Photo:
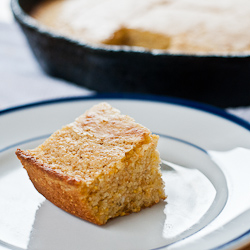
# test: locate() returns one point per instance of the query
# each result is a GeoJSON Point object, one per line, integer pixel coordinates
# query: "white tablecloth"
{"type": "Point", "coordinates": [21, 79]}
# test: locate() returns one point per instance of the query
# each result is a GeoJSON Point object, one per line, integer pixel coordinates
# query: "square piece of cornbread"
{"type": "Point", "coordinates": [101, 166]}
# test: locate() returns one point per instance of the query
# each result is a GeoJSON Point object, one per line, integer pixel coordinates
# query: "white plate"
{"type": "Point", "coordinates": [208, 204]}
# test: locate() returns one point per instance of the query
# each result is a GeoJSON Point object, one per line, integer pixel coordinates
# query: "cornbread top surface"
{"type": "Point", "coordinates": [92, 145]}
{"type": "Point", "coordinates": [193, 26]}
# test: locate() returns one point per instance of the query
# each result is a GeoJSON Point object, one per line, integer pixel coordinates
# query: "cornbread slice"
{"type": "Point", "coordinates": [101, 166]}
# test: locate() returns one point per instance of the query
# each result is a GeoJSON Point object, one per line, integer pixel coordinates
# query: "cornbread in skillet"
{"type": "Point", "coordinates": [101, 166]}
{"type": "Point", "coordinates": [177, 26]}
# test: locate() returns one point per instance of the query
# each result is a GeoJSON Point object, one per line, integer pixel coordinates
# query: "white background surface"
{"type": "Point", "coordinates": [5, 13]}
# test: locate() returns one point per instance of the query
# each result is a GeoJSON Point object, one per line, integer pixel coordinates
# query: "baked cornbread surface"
{"type": "Point", "coordinates": [177, 26]}
{"type": "Point", "coordinates": [101, 166]}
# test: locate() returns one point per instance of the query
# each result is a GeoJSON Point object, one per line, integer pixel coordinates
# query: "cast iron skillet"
{"type": "Point", "coordinates": [223, 81]}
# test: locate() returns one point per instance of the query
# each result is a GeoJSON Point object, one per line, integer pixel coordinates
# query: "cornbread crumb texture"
{"type": "Point", "coordinates": [178, 26]}
{"type": "Point", "coordinates": [101, 166]}
{"type": "Point", "coordinates": [95, 141]}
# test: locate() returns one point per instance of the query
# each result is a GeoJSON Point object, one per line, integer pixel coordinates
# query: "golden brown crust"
{"type": "Point", "coordinates": [105, 122]}
{"type": "Point", "coordinates": [26, 158]}
{"type": "Point", "coordinates": [97, 140]}
{"type": "Point", "coordinates": [59, 189]}
{"type": "Point", "coordinates": [137, 37]}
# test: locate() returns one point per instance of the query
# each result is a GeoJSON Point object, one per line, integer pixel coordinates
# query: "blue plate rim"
{"type": "Point", "coordinates": [140, 97]}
